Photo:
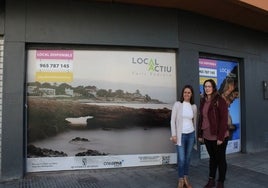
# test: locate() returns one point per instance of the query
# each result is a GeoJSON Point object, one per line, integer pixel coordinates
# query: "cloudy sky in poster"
{"type": "Point", "coordinates": [152, 73]}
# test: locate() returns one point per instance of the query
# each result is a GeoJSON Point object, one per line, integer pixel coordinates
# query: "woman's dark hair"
{"type": "Point", "coordinates": [214, 86]}
{"type": "Point", "coordinates": [192, 90]}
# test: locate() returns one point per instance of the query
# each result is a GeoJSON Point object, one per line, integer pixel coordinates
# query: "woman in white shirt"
{"type": "Point", "coordinates": [183, 123]}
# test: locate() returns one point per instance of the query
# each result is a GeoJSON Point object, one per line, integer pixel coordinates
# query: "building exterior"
{"type": "Point", "coordinates": [188, 32]}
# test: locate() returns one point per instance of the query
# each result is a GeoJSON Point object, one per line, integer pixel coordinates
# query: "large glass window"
{"type": "Point", "coordinates": [99, 108]}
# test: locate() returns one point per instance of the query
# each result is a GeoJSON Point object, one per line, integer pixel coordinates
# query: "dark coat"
{"type": "Point", "coordinates": [218, 117]}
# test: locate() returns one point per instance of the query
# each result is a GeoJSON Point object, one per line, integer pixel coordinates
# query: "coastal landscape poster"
{"type": "Point", "coordinates": [99, 108]}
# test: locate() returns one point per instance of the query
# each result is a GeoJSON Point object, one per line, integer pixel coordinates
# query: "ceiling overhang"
{"type": "Point", "coordinates": [248, 13]}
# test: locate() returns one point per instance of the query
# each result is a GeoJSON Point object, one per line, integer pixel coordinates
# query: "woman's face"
{"type": "Point", "coordinates": [208, 88]}
{"type": "Point", "coordinates": [187, 94]}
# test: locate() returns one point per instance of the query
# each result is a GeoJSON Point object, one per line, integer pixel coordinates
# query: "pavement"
{"type": "Point", "coordinates": [244, 170]}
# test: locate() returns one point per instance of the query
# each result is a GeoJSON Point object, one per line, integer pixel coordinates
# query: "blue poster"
{"type": "Point", "coordinates": [225, 74]}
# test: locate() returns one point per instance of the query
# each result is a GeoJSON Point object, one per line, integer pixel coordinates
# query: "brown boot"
{"type": "Point", "coordinates": [220, 184]}
{"type": "Point", "coordinates": [211, 183]}
{"type": "Point", "coordinates": [186, 182]}
{"type": "Point", "coordinates": [181, 183]}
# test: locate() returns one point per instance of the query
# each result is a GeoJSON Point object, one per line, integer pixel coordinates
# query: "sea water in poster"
{"type": "Point", "coordinates": [92, 109]}
{"type": "Point", "coordinates": [225, 74]}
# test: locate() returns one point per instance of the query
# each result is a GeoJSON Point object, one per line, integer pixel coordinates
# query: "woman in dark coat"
{"type": "Point", "coordinates": [213, 132]}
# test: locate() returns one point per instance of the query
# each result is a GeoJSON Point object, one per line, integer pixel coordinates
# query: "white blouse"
{"type": "Point", "coordinates": [187, 115]}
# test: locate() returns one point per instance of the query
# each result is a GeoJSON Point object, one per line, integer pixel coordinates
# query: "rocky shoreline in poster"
{"type": "Point", "coordinates": [47, 118]}
{"type": "Point", "coordinates": [93, 101]}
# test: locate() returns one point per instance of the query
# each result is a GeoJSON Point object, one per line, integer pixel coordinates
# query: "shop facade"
{"type": "Point", "coordinates": [60, 55]}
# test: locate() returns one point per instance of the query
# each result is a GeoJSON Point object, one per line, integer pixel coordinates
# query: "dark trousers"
{"type": "Point", "coordinates": [217, 158]}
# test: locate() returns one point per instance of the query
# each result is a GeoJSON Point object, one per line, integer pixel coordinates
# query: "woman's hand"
{"type": "Point", "coordinates": [219, 142]}
{"type": "Point", "coordinates": [174, 139]}
{"type": "Point", "coordinates": [201, 140]}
